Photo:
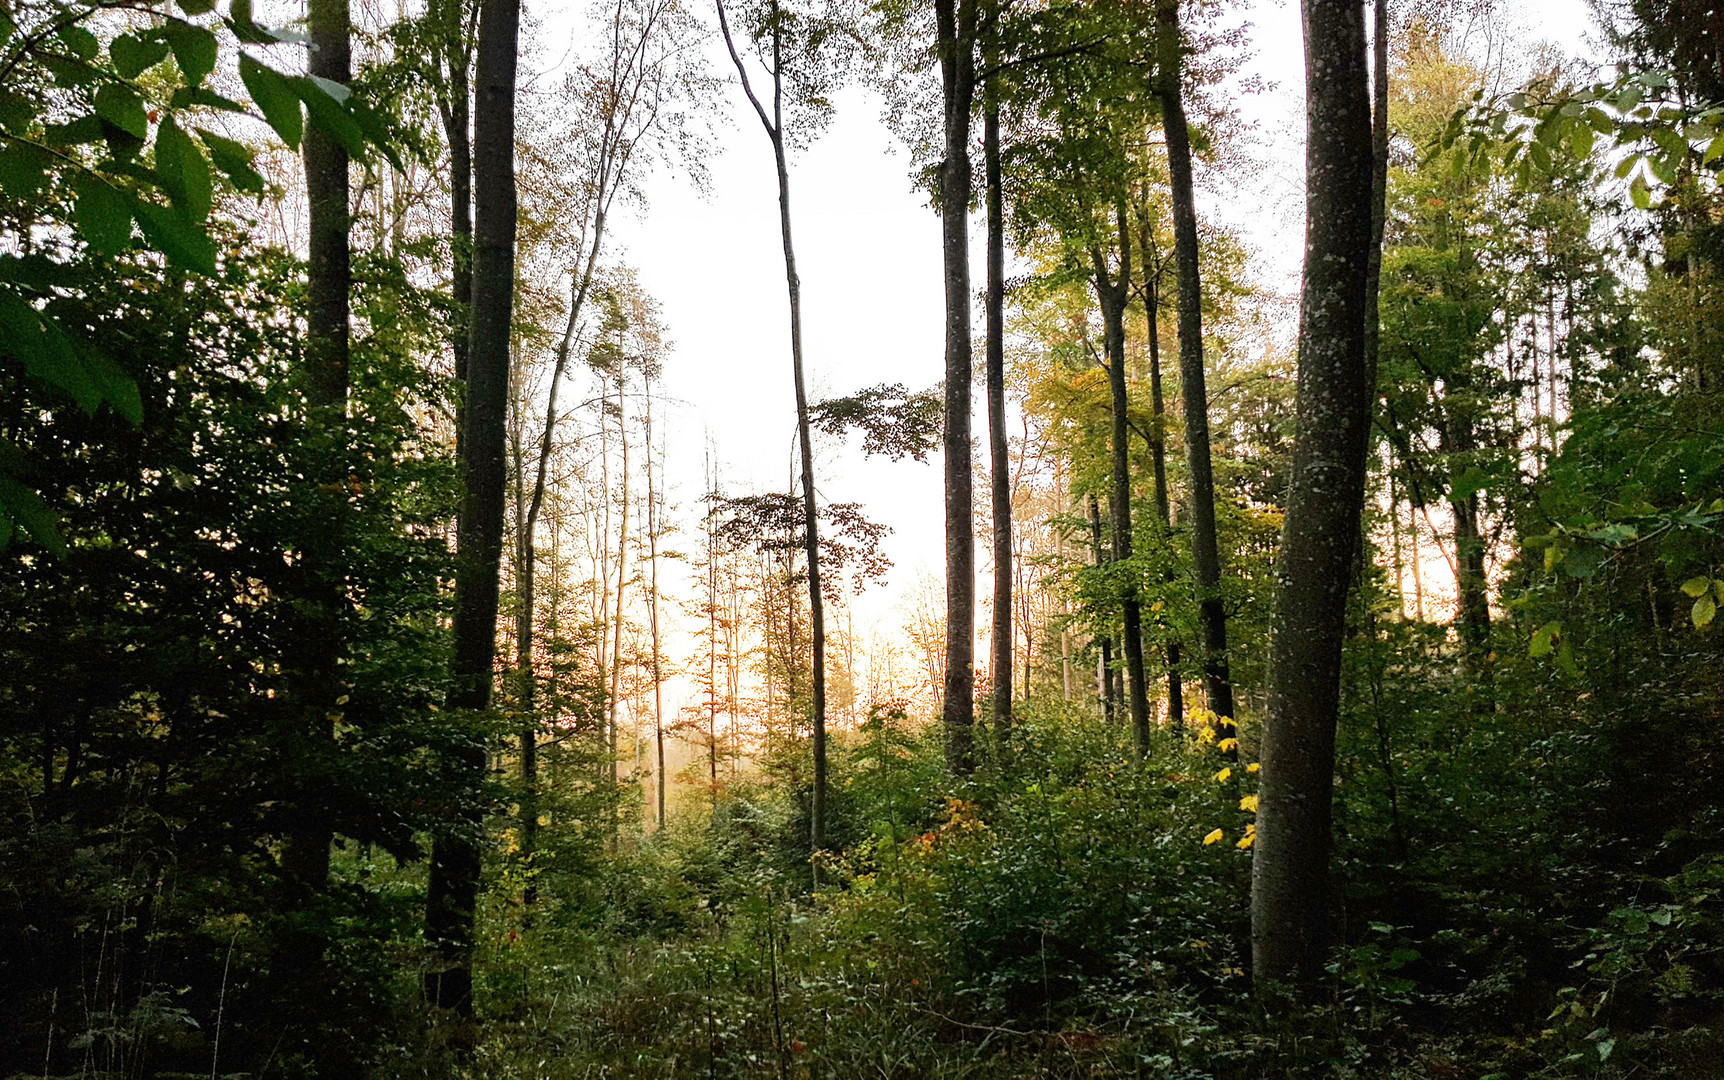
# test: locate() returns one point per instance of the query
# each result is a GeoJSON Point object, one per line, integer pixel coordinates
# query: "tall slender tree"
{"type": "Point", "coordinates": [800, 48]}
{"type": "Point", "coordinates": [452, 897]}
{"type": "Point", "coordinates": [955, 24]}
{"type": "Point", "coordinates": [999, 458]}
{"type": "Point", "coordinates": [1205, 554]}
{"type": "Point", "coordinates": [1113, 291]}
{"type": "Point", "coordinates": [1290, 864]}
{"type": "Point", "coordinates": [328, 282]}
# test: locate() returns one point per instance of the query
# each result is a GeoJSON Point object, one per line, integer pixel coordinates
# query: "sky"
{"type": "Point", "coordinates": [868, 249]}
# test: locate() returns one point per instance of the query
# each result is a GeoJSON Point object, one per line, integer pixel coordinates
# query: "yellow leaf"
{"type": "Point", "coordinates": [1227, 744]}
{"type": "Point", "coordinates": [1212, 838]}
{"type": "Point", "coordinates": [1205, 734]}
{"type": "Point", "coordinates": [1253, 767]}
{"type": "Point", "coordinates": [1248, 804]}
{"type": "Point", "coordinates": [1245, 842]}
{"type": "Point", "coordinates": [1696, 586]}
{"type": "Point", "coordinates": [1221, 777]}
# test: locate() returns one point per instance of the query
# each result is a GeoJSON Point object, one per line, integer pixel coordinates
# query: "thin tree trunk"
{"type": "Point", "coordinates": [1158, 444]}
{"type": "Point", "coordinates": [1205, 553]}
{"type": "Point", "coordinates": [622, 585]}
{"type": "Point", "coordinates": [652, 608]}
{"type": "Point", "coordinates": [774, 125]}
{"type": "Point", "coordinates": [955, 22]}
{"type": "Point", "coordinates": [454, 884]}
{"type": "Point", "coordinates": [1104, 672]}
{"type": "Point", "coordinates": [1000, 661]}
{"type": "Point", "coordinates": [1112, 296]}
{"type": "Point", "coordinates": [1290, 867]}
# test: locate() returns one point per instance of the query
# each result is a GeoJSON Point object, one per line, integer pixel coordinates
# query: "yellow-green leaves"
{"type": "Point", "coordinates": [1707, 593]}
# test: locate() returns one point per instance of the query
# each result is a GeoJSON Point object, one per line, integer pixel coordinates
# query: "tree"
{"type": "Point", "coordinates": [802, 50]}
{"type": "Point", "coordinates": [1289, 870]}
{"type": "Point", "coordinates": [454, 887]}
{"type": "Point", "coordinates": [956, 24]}
{"type": "Point", "coordinates": [1205, 556]}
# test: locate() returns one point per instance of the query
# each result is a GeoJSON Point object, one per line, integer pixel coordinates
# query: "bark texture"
{"type": "Point", "coordinates": [454, 884]}
{"type": "Point", "coordinates": [1290, 865]}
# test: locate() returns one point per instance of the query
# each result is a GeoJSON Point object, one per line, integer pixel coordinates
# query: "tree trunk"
{"type": "Point", "coordinates": [652, 610]}
{"type": "Point", "coordinates": [1205, 555]}
{"type": "Point", "coordinates": [1104, 673]}
{"type": "Point", "coordinates": [1289, 872]}
{"type": "Point", "coordinates": [1158, 444]}
{"type": "Point", "coordinates": [454, 884]}
{"type": "Point", "coordinates": [956, 26]}
{"type": "Point", "coordinates": [1112, 296]}
{"type": "Point", "coordinates": [1000, 660]}
{"type": "Point", "coordinates": [305, 854]}
{"type": "Point", "coordinates": [622, 586]}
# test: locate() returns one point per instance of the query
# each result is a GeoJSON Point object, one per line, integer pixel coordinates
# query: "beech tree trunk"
{"type": "Point", "coordinates": [1290, 865]}
{"type": "Point", "coordinates": [454, 884]}
{"type": "Point", "coordinates": [999, 460]}
{"type": "Point", "coordinates": [1205, 555]}
{"type": "Point", "coordinates": [955, 21]}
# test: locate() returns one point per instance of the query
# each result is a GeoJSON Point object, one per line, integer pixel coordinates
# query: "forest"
{"type": "Point", "coordinates": [1322, 679]}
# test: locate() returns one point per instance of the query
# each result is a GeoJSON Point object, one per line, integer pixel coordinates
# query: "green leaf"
{"type": "Point", "coordinates": [194, 50]}
{"type": "Point", "coordinates": [23, 508]}
{"type": "Point", "coordinates": [1705, 610]}
{"type": "Point", "coordinates": [44, 350]}
{"type": "Point", "coordinates": [133, 55]}
{"type": "Point", "coordinates": [181, 241]}
{"type": "Point", "coordinates": [233, 158]}
{"type": "Point", "coordinates": [197, 7]}
{"type": "Point", "coordinates": [328, 114]}
{"type": "Point", "coordinates": [184, 172]}
{"type": "Point", "coordinates": [1580, 136]}
{"type": "Point", "coordinates": [1605, 1046]}
{"type": "Point", "coordinates": [121, 106]}
{"type": "Point", "coordinates": [1565, 658]}
{"type": "Point", "coordinates": [1640, 194]}
{"type": "Point", "coordinates": [1626, 166]}
{"type": "Point", "coordinates": [1543, 637]}
{"type": "Point", "coordinates": [118, 388]}
{"type": "Point", "coordinates": [103, 215]}
{"type": "Point", "coordinates": [1713, 149]}
{"type": "Point", "coordinates": [80, 42]}
{"type": "Point", "coordinates": [23, 169]}
{"type": "Point", "coordinates": [1696, 586]}
{"type": "Point", "coordinates": [276, 97]}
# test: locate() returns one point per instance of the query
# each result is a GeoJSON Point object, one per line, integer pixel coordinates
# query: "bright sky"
{"type": "Point", "coordinates": [869, 256]}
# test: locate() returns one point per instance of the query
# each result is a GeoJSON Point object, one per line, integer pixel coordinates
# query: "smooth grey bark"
{"type": "Point", "coordinates": [999, 460]}
{"type": "Point", "coordinates": [774, 125]}
{"type": "Point", "coordinates": [1205, 553]}
{"type": "Point", "coordinates": [1290, 863]}
{"type": "Point", "coordinates": [622, 587]}
{"type": "Point", "coordinates": [955, 23]}
{"type": "Point", "coordinates": [453, 891]}
{"type": "Point", "coordinates": [1111, 295]}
